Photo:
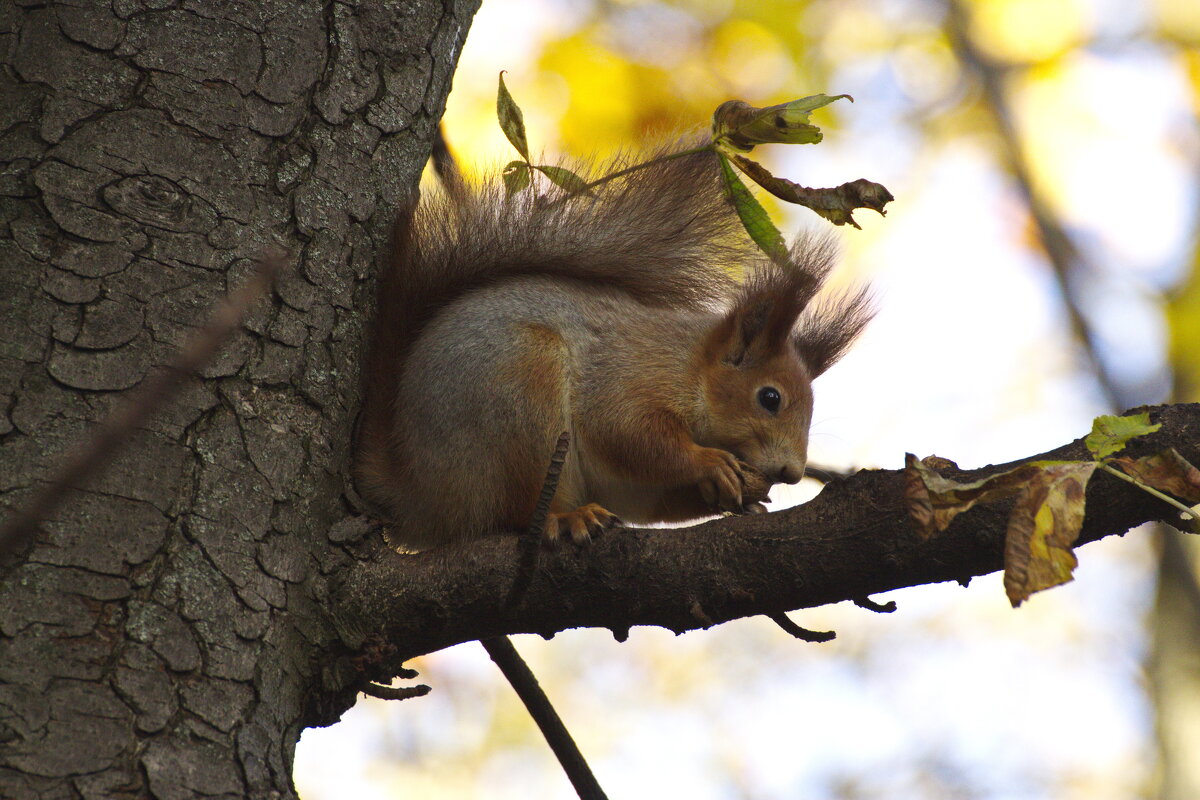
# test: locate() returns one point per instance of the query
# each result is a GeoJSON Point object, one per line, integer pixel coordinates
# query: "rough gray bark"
{"type": "Point", "coordinates": [163, 637]}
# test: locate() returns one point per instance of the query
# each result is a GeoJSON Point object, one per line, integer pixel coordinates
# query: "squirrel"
{"type": "Point", "coordinates": [616, 315]}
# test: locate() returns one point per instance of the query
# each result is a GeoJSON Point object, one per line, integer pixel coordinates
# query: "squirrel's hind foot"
{"type": "Point", "coordinates": [581, 524]}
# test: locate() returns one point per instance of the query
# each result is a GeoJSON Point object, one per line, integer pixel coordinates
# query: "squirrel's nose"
{"type": "Point", "coordinates": [788, 474]}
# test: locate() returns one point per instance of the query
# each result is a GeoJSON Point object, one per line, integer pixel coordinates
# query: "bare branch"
{"type": "Point", "coordinates": [551, 725]}
{"type": "Point", "coordinates": [879, 608]}
{"type": "Point", "coordinates": [852, 541]}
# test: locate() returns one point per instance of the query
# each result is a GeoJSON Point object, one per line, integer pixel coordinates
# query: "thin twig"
{"type": "Point", "coordinates": [445, 165]}
{"type": "Point", "coordinates": [825, 474]}
{"type": "Point", "coordinates": [803, 634]}
{"type": "Point", "coordinates": [153, 392]}
{"type": "Point", "coordinates": [501, 650]}
{"type": "Point", "coordinates": [532, 541]}
{"type": "Point", "coordinates": [526, 685]}
{"type": "Point", "coordinates": [623, 172]}
{"type": "Point", "coordinates": [1190, 512]}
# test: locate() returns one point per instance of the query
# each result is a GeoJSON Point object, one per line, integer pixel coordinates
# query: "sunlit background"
{"type": "Point", "coordinates": [1038, 267]}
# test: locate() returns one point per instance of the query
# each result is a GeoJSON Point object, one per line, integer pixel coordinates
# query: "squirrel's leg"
{"type": "Point", "coordinates": [544, 361]}
{"type": "Point", "coordinates": [484, 400]}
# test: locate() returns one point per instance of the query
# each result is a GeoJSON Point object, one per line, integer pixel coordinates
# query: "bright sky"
{"type": "Point", "coordinates": [970, 358]}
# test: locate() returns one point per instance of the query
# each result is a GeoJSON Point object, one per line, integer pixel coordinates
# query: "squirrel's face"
{"type": "Point", "coordinates": [761, 413]}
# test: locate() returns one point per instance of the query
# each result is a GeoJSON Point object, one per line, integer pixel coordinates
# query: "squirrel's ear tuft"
{"type": "Point", "coordinates": [770, 302]}
{"type": "Point", "coordinates": [828, 327]}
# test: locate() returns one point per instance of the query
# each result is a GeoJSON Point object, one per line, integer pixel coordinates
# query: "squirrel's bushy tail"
{"type": "Point", "coordinates": [665, 233]}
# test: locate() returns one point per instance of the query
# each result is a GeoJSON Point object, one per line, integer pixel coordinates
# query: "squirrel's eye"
{"type": "Point", "coordinates": [769, 398]}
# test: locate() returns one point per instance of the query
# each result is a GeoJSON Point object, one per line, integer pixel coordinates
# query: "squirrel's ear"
{"type": "Point", "coordinates": [763, 316]}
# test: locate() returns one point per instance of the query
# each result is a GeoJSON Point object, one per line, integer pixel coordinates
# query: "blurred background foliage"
{"type": "Point", "coordinates": [1039, 266]}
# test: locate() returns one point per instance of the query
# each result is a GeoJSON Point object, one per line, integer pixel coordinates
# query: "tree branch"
{"type": "Point", "coordinates": [853, 540]}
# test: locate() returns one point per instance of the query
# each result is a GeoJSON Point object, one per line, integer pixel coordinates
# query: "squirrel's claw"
{"type": "Point", "coordinates": [581, 524]}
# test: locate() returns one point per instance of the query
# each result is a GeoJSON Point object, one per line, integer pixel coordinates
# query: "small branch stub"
{"type": "Point", "coordinates": [804, 634]}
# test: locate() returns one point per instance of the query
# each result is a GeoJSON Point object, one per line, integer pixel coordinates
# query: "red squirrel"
{"type": "Point", "coordinates": [638, 317]}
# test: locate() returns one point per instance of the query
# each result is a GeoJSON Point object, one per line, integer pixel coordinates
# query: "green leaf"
{"type": "Point", "coordinates": [563, 178]}
{"type": "Point", "coordinates": [512, 121]}
{"type": "Point", "coordinates": [1110, 434]}
{"type": "Point", "coordinates": [516, 177]}
{"type": "Point", "coordinates": [754, 217]}
{"type": "Point", "coordinates": [741, 126]}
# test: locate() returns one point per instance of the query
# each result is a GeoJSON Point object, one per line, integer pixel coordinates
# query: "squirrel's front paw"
{"type": "Point", "coordinates": [722, 479]}
{"type": "Point", "coordinates": [581, 524]}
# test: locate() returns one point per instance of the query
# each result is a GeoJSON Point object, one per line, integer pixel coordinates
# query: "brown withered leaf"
{"type": "Point", "coordinates": [741, 126]}
{"type": "Point", "coordinates": [1168, 472]}
{"type": "Point", "coordinates": [1043, 527]}
{"type": "Point", "coordinates": [934, 501]}
{"type": "Point", "coordinates": [836, 205]}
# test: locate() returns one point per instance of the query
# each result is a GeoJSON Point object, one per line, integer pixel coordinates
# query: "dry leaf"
{"type": "Point", "coordinates": [1043, 527]}
{"type": "Point", "coordinates": [1166, 471]}
{"type": "Point", "coordinates": [934, 501]}
{"type": "Point", "coordinates": [836, 205]}
{"type": "Point", "coordinates": [741, 126]}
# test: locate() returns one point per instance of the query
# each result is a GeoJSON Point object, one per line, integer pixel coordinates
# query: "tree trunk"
{"type": "Point", "coordinates": [163, 635]}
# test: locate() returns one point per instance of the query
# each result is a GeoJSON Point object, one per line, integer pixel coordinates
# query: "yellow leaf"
{"type": "Point", "coordinates": [1043, 527]}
